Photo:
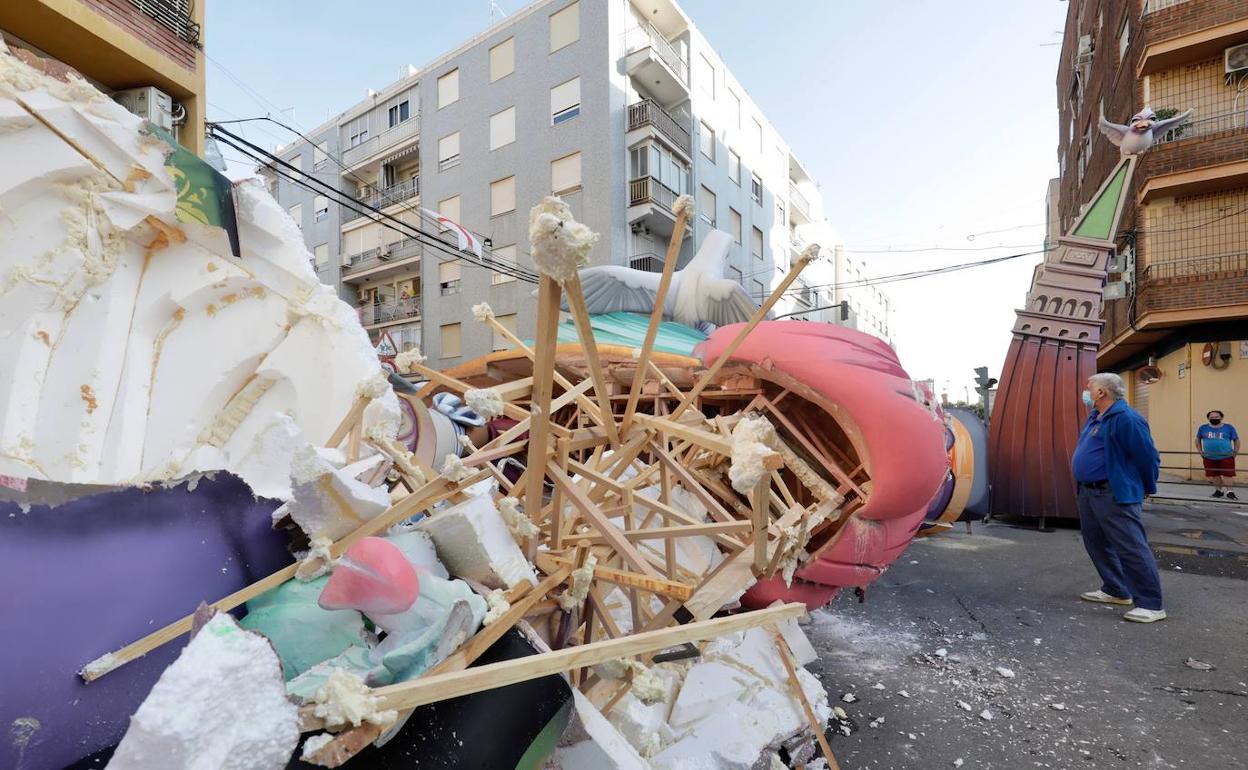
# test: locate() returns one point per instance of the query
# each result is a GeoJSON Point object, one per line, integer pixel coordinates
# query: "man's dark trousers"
{"type": "Point", "coordinates": [1113, 534]}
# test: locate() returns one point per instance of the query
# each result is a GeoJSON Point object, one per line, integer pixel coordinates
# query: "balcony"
{"type": "Point", "coordinates": [647, 189]}
{"type": "Point", "coordinates": [389, 312]}
{"type": "Point", "coordinates": [649, 262]}
{"type": "Point", "coordinates": [1229, 121]}
{"type": "Point", "coordinates": [1153, 6]}
{"type": "Point", "coordinates": [656, 63]}
{"type": "Point", "coordinates": [356, 155]}
{"type": "Point", "coordinates": [799, 203]}
{"type": "Point", "coordinates": [174, 15]}
{"type": "Point", "coordinates": [376, 262]}
{"type": "Point", "coordinates": [650, 113]}
{"type": "Point", "coordinates": [386, 197]}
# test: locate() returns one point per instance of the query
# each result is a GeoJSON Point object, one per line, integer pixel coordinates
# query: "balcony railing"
{"type": "Point", "coordinates": [650, 262]}
{"type": "Point", "coordinates": [386, 139]}
{"type": "Point", "coordinates": [799, 201]}
{"type": "Point", "coordinates": [647, 189]}
{"type": "Point", "coordinates": [386, 197]}
{"type": "Point", "coordinates": [1211, 125]}
{"type": "Point", "coordinates": [174, 15]}
{"type": "Point", "coordinates": [382, 255]}
{"type": "Point", "coordinates": [1153, 6]}
{"type": "Point", "coordinates": [1204, 268]}
{"type": "Point", "coordinates": [385, 312]}
{"type": "Point", "coordinates": [649, 113]}
{"type": "Point", "coordinates": [645, 36]}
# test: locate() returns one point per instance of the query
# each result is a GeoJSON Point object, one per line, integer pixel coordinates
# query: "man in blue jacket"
{"type": "Point", "coordinates": [1116, 466]}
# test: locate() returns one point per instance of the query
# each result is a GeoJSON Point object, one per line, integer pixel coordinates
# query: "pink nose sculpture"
{"type": "Point", "coordinates": [373, 577]}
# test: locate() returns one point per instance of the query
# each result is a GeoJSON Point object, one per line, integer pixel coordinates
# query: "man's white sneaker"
{"type": "Point", "coordinates": [1141, 615]}
{"type": "Point", "coordinates": [1103, 598]}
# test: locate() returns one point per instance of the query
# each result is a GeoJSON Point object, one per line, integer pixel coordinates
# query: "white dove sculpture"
{"type": "Point", "coordinates": [1136, 137]}
{"type": "Point", "coordinates": [698, 292]}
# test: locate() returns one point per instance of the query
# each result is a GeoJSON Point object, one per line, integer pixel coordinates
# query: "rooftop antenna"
{"type": "Point", "coordinates": [495, 9]}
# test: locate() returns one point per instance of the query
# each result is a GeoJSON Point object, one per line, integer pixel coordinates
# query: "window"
{"type": "Point", "coordinates": [758, 133]}
{"type": "Point", "coordinates": [780, 212]}
{"type": "Point", "coordinates": [449, 208]}
{"type": "Point", "coordinates": [450, 340]}
{"type": "Point", "coordinates": [502, 128]}
{"type": "Point", "coordinates": [503, 254]}
{"type": "Point", "coordinates": [357, 131]}
{"type": "Point", "coordinates": [320, 204]}
{"type": "Point", "coordinates": [565, 27]}
{"type": "Point", "coordinates": [1124, 37]}
{"type": "Point", "coordinates": [448, 151]}
{"type": "Point", "coordinates": [565, 173]}
{"type": "Point", "coordinates": [659, 163]}
{"type": "Point", "coordinates": [503, 59]}
{"type": "Point", "coordinates": [296, 213]}
{"type": "Point", "coordinates": [398, 113]}
{"type": "Point", "coordinates": [448, 88]}
{"type": "Point", "coordinates": [320, 154]}
{"type": "Point", "coordinates": [735, 274]}
{"type": "Point", "coordinates": [321, 253]}
{"type": "Point", "coordinates": [502, 196]}
{"type": "Point", "coordinates": [565, 101]}
{"type": "Point", "coordinates": [734, 224]}
{"type": "Point", "coordinates": [756, 242]}
{"type": "Point", "coordinates": [757, 293]}
{"type": "Point", "coordinates": [705, 75]}
{"type": "Point", "coordinates": [734, 107]}
{"type": "Point", "coordinates": [296, 160]}
{"type": "Point", "coordinates": [706, 141]}
{"type": "Point", "coordinates": [449, 274]}
{"type": "Point", "coordinates": [734, 167]}
{"type": "Point", "coordinates": [706, 205]}
{"type": "Point", "coordinates": [756, 189]}
{"type": "Point", "coordinates": [508, 322]}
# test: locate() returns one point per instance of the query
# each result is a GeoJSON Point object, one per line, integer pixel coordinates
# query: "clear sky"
{"type": "Point", "coordinates": [926, 124]}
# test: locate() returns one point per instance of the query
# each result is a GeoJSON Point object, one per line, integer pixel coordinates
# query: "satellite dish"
{"type": "Point", "coordinates": [1147, 375]}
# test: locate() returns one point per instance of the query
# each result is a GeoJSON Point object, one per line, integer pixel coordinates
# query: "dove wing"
{"type": "Point", "coordinates": [1113, 131]}
{"type": "Point", "coordinates": [612, 288]}
{"type": "Point", "coordinates": [1160, 127]}
{"type": "Point", "coordinates": [725, 302]}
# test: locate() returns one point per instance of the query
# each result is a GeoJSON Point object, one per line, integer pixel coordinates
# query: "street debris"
{"type": "Point", "coordinates": [1199, 665]}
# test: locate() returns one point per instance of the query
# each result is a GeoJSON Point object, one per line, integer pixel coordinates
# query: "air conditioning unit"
{"type": "Point", "coordinates": [150, 103]}
{"type": "Point", "coordinates": [1236, 59]}
{"type": "Point", "coordinates": [1116, 264]}
{"type": "Point", "coordinates": [384, 255]}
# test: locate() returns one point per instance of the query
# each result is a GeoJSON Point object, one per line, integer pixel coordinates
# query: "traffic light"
{"type": "Point", "coordinates": [982, 379]}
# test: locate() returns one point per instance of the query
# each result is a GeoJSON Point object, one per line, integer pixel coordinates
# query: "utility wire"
{"type": "Point", "coordinates": [403, 228]}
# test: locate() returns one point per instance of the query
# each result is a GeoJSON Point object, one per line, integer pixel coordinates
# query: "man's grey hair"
{"type": "Point", "coordinates": [1111, 382]}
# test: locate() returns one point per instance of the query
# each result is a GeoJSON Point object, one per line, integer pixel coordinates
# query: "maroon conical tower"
{"type": "Point", "coordinates": [1038, 412]}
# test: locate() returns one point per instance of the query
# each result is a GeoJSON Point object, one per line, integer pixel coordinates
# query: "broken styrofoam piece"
{"type": "Point", "coordinates": [138, 348]}
{"type": "Point", "coordinates": [473, 542]}
{"type": "Point", "coordinates": [487, 402]}
{"type": "Point", "coordinates": [803, 651]}
{"type": "Point", "coordinates": [593, 743]}
{"type": "Point", "coordinates": [374, 577]}
{"type": "Point", "coordinates": [736, 704]}
{"type": "Point", "coordinates": [645, 725]}
{"type": "Point", "coordinates": [222, 703]}
{"type": "Point", "coordinates": [327, 501]}
{"type": "Point", "coordinates": [697, 554]}
{"type": "Point", "coordinates": [561, 245]}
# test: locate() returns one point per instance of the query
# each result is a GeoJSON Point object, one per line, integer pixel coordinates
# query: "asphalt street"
{"type": "Point", "coordinates": [974, 651]}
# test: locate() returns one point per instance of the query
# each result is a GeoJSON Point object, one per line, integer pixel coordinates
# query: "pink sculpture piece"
{"type": "Point", "coordinates": [373, 577]}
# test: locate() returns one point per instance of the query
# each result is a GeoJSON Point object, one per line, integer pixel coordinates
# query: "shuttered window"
{"type": "Point", "coordinates": [503, 59]}
{"type": "Point", "coordinates": [565, 173]}
{"type": "Point", "coordinates": [502, 128]}
{"type": "Point", "coordinates": [508, 322]}
{"type": "Point", "coordinates": [565, 27]}
{"type": "Point", "coordinates": [565, 101]}
{"type": "Point", "coordinates": [450, 340]}
{"type": "Point", "coordinates": [448, 151]}
{"type": "Point", "coordinates": [502, 196]}
{"type": "Point", "coordinates": [448, 88]}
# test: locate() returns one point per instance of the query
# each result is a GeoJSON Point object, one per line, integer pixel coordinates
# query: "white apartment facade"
{"type": "Point", "coordinates": [618, 106]}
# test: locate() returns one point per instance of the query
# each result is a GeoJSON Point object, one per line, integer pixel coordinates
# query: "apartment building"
{"type": "Point", "coordinates": [120, 45]}
{"type": "Point", "coordinates": [619, 107]}
{"type": "Point", "coordinates": [1178, 329]}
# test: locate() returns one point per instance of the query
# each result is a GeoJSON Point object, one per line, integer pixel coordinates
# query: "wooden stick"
{"type": "Point", "coordinates": [709, 375]}
{"type": "Point", "coordinates": [543, 382]}
{"type": "Point", "coordinates": [580, 316]}
{"type": "Point", "coordinates": [786, 656]}
{"type": "Point", "coordinates": [429, 689]}
{"type": "Point", "coordinates": [352, 417]}
{"type": "Point", "coordinates": [656, 315]}
{"type": "Point", "coordinates": [612, 533]}
{"type": "Point", "coordinates": [760, 519]}
{"type": "Point", "coordinates": [587, 406]}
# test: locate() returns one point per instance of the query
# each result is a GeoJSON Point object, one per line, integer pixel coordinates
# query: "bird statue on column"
{"type": "Point", "coordinates": [1141, 132]}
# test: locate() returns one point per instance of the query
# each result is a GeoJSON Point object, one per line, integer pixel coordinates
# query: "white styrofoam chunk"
{"type": "Point", "coordinates": [605, 748]}
{"type": "Point", "coordinates": [473, 542]}
{"type": "Point", "coordinates": [221, 704]}
{"type": "Point", "coordinates": [327, 501]}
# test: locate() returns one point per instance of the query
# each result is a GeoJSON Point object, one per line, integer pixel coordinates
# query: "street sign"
{"type": "Point", "coordinates": [1116, 290]}
{"type": "Point", "coordinates": [386, 347]}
